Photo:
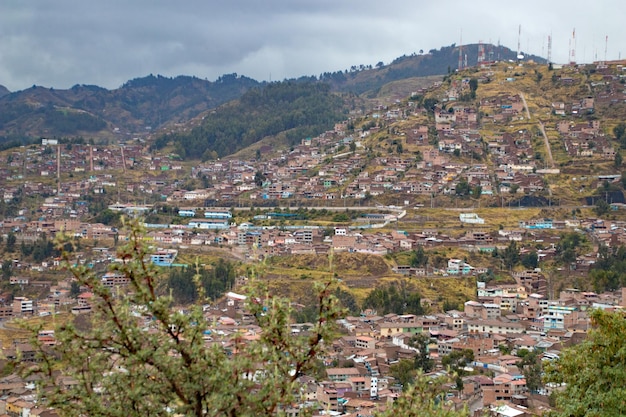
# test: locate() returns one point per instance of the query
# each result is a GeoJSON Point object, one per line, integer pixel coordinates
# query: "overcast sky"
{"type": "Point", "coordinates": [59, 43]}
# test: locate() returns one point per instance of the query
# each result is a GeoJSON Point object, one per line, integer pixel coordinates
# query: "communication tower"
{"type": "Point", "coordinates": [460, 66]}
{"type": "Point", "coordinates": [481, 53]}
{"type": "Point", "coordinates": [520, 56]}
{"type": "Point", "coordinates": [572, 56]}
{"type": "Point", "coordinates": [549, 49]}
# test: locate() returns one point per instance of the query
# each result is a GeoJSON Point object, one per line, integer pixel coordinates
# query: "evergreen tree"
{"type": "Point", "coordinates": [7, 269]}
{"type": "Point", "coordinates": [422, 360]}
{"type": "Point", "coordinates": [10, 244]}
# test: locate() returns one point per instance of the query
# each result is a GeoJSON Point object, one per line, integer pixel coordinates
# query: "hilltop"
{"type": "Point", "coordinates": [134, 109]}
{"type": "Point", "coordinates": [144, 105]}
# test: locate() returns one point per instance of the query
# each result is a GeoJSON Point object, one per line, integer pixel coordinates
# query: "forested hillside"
{"type": "Point", "coordinates": [299, 109]}
{"type": "Point", "coordinates": [140, 105]}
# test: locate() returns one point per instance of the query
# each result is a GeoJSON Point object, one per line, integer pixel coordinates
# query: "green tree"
{"type": "Point", "coordinates": [419, 257]}
{"type": "Point", "coordinates": [403, 372]}
{"type": "Point", "coordinates": [108, 217]}
{"type": "Point", "coordinates": [530, 366]}
{"type": "Point", "coordinates": [473, 85]}
{"type": "Point", "coordinates": [477, 192]}
{"type": "Point", "coordinates": [152, 360]}
{"type": "Point", "coordinates": [457, 360]}
{"type": "Point", "coordinates": [594, 371]}
{"type": "Point", "coordinates": [10, 244]}
{"type": "Point", "coordinates": [259, 178]}
{"type": "Point", "coordinates": [25, 249]}
{"type": "Point", "coordinates": [511, 255]}
{"type": "Point", "coordinates": [617, 162]}
{"type": "Point", "coordinates": [424, 398]}
{"type": "Point", "coordinates": [394, 298]}
{"type": "Point", "coordinates": [422, 359]}
{"type": "Point", "coordinates": [74, 289]}
{"type": "Point", "coordinates": [530, 260]}
{"type": "Point", "coordinates": [569, 246]}
{"type": "Point", "coordinates": [601, 207]}
{"type": "Point", "coordinates": [7, 269]}
{"type": "Point", "coordinates": [620, 134]}
{"type": "Point", "coordinates": [462, 188]}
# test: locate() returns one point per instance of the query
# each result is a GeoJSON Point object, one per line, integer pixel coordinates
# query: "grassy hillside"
{"type": "Point", "coordinates": [359, 274]}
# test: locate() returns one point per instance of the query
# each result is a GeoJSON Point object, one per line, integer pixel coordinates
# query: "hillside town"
{"type": "Point", "coordinates": [362, 188]}
{"type": "Point", "coordinates": [493, 334]}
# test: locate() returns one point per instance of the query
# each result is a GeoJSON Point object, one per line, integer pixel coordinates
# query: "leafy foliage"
{"type": "Point", "coordinates": [394, 298]}
{"type": "Point", "coordinates": [462, 189]}
{"type": "Point", "coordinates": [530, 366]}
{"type": "Point", "coordinates": [530, 260]}
{"type": "Point", "coordinates": [108, 217]}
{"type": "Point", "coordinates": [419, 257]}
{"type": "Point", "coordinates": [593, 371]}
{"type": "Point", "coordinates": [309, 313]}
{"type": "Point", "coordinates": [609, 271]}
{"type": "Point", "coordinates": [183, 282]}
{"type": "Point", "coordinates": [422, 360]}
{"type": "Point", "coordinates": [620, 134]}
{"type": "Point", "coordinates": [456, 361]}
{"type": "Point", "coordinates": [138, 357]}
{"type": "Point", "coordinates": [406, 372]}
{"type": "Point", "coordinates": [423, 398]}
{"type": "Point", "coordinates": [570, 245]}
{"type": "Point", "coordinates": [41, 249]}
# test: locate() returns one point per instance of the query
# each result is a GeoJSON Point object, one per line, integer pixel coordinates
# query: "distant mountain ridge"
{"type": "Point", "coordinates": [144, 104]}
{"type": "Point", "coordinates": [139, 105]}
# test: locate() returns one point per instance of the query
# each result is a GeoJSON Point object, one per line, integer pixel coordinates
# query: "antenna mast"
{"type": "Point", "coordinates": [481, 53]}
{"type": "Point", "coordinates": [572, 60]}
{"type": "Point", "coordinates": [549, 49]}
{"type": "Point", "coordinates": [460, 66]}
{"type": "Point", "coordinates": [519, 35]}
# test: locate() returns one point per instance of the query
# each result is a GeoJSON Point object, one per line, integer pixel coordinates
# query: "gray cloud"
{"type": "Point", "coordinates": [64, 42]}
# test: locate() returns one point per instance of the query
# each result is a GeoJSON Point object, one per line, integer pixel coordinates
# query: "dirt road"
{"type": "Point", "coordinates": [543, 132]}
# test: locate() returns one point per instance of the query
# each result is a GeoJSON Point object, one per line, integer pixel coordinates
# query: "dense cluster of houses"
{"type": "Point", "coordinates": [504, 323]}
{"type": "Point", "coordinates": [340, 164]}
{"type": "Point", "coordinates": [337, 164]}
